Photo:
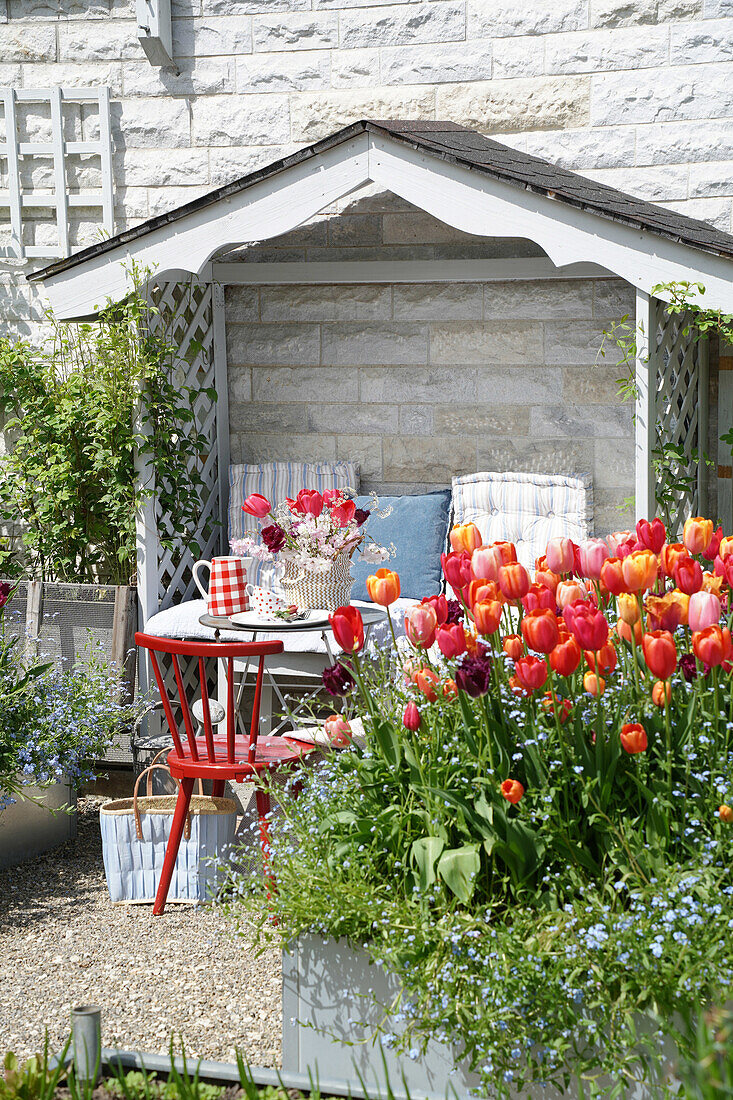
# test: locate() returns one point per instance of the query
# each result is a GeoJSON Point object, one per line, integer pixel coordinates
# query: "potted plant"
{"type": "Point", "coordinates": [534, 837]}
{"type": "Point", "coordinates": [54, 722]}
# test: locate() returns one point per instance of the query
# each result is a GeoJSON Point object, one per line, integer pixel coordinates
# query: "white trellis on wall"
{"type": "Point", "coordinates": [671, 409]}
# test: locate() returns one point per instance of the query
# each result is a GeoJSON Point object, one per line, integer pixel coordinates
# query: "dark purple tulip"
{"type": "Point", "coordinates": [273, 537]}
{"type": "Point", "coordinates": [361, 515]}
{"type": "Point", "coordinates": [455, 611]}
{"type": "Point", "coordinates": [474, 676]}
{"type": "Point", "coordinates": [337, 680]}
{"type": "Point", "coordinates": [688, 667]}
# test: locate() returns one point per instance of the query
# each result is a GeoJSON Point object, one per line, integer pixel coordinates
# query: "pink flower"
{"type": "Point", "coordinates": [593, 553]}
{"type": "Point", "coordinates": [560, 555]}
{"type": "Point", "coordinates": [587, 624]}
{"type": "Point", "coordinates": [420, 624]}
{"type": "Point", "coordinates": [256, 505]}
{"type": "Point", "coordinates": [451, 639]}
{"type": "Point", "coordinates": [411, 718]}
{"type": "Point", "coordinates": [343, 513]}
{"type": "Point", "coordinates": [703, 610]}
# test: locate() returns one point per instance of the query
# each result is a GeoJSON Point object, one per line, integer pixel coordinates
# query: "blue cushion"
{"type": "Point", "coordinates": [417, 526]}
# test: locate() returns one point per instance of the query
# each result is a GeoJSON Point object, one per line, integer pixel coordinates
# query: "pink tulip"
{"type": "Point", "coordinates": [614, 540]}
{"type": "Point", "coordinates": [451, 639]}
{"type": "Point", "coordinates": [570, 591]}
{"type": "Point", "coordinates": [256, 505]}
{"type": "Point", "coordinates": [703, 610]}
{"type": "Point", "coordinates": [343, 514]}
{"type": "Point", "coordinates": [560, 555]}
{"type": "Point", "coordinates": [593, 553]}
{"type": "Point", "coordinates": [485, 564]}
{"type": "Point", "coordinates": [420, 625]}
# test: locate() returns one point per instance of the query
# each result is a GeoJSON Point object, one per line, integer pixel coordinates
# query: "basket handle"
{"type": "Point", "coordinates": [149, 790]}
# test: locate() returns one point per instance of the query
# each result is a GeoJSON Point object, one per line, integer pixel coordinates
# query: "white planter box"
{"type": "Point", "coordinates": [28, 830]}
{"type": "Point", "coordinates": [326, 986]}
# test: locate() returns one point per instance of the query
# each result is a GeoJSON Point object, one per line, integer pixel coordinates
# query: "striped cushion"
{"type": "Point", "coordinates": [278, 480]}
{"type": "Point", "coordinates": [526, 509]}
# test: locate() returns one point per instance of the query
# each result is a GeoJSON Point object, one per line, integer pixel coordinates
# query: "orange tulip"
{"type": "Point", "coordinates": [466, 537]}
{"type": "Point", "coordinates": [427, 681]}
{"type": "Point", "coordinates": [628, 608]}
{"type": "Point", "coordinates": [640, 570]}
{"type": "Point", "coordinates": [612, 576]}
{"type": "Point", "coordinates": [725, 813]}
{"type": "Point", "coordinates": [514, 581]}
{"type": "Point", "coordinates": [661, 689]}
{"type": "Point", "coordinates": [633, 738]}
{"type": "Point", "coordinates": [604, 659]}
{"type": "Point", "coordinates": [671, 554]}
{"type": "Point", "coordinates": [660, 653]}
{"type": "Point", "coordinates": [531, 672]}
{"type": "Point", "coordinates": [595, 685]}
{"type": "Point", "coordinates": [710, 646]}
{"type": "Point", "coordinates": [513, 646]}
{"type": "Point", "coordinates": [539, 630]}
{"type": "Point", "coordinates": [517, 687]}
{"type": "Point", "coordinates": [697, 533]}
{"type": "Point", "coordinates": [450, 689]}
{"type": "Point", "coordinates": [383, 587]}
{"type": "Point", "coordinates": [506, 552]}
{"type": "Point", "coordinates": [683, 602]}
{"type": "Point", "coordinates": [726, 546]}
{"type": "Point", "coordinates": [512, 790]}
{"type": "Point", "coordinates": [565, 657]}
{"type": "Point", "coordinates": [487, 616]}
{"type": "Point", "coordinates": [569, 591]}
{"type": "Point", "coordinates": [625, 631]}
{"type": "Point", "coordinates": [711, 583]}
{"type": "Point", "coordinates": [483, 590]}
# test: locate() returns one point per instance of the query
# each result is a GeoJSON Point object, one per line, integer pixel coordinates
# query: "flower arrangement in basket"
{"type": "Point", "coordinates": [314, 537]}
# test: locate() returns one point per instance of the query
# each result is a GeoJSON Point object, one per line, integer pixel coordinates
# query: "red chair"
{"type": "Point", "coordinates": [209, 755]}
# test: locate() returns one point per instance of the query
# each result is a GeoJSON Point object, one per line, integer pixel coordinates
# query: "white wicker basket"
{"type": "Point", "coordinates": [309, 589]}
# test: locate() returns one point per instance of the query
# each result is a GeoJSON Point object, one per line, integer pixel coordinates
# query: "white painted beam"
{"type": "Point", "coordinates": [646, 387]}
{"type": "Point", "coordinates": [400, 271]}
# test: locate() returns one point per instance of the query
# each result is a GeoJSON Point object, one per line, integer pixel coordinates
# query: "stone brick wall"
{"type": "Point", "coordinates": [418, 382]}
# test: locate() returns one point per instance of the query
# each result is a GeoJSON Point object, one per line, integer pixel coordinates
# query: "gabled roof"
{"type": "Point", "coordinates": [459, 145]}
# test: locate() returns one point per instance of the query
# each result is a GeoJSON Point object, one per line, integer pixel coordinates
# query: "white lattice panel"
{"type": "Point", "coordinates": [681, 410]}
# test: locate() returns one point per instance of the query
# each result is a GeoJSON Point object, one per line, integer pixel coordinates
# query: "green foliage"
{"type": "Point", "coordinates": [74, 414]}
{"type": "Point", "coordinates": [35, 1079]}
{"type": "Point", "coordinates": [708, 1074]}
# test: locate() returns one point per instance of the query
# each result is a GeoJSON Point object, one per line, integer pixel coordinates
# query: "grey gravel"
{"type": "Point", "coordinates": [186, 974]}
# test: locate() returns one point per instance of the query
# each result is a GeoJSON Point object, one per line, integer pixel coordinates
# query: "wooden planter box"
{"type": "Point", "coordinates": [28, 830]}
{"type": "Point", "coordinates": [328, 986]}
{"type": "Point", "coordinates": [57, 622]}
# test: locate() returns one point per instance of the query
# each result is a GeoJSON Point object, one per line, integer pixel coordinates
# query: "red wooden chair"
{"type": "Point", "coordinates": [209, 755]}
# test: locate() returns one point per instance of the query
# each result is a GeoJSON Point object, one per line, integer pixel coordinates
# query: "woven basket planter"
{"type": "Point", "coordinates": [311, 590]}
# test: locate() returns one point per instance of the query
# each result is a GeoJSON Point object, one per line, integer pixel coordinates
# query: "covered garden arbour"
{"type": "Point", "coordinates": [463, 179]}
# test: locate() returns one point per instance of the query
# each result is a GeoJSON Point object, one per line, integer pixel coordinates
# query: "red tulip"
{"type": "Point", "coordinates": [451, 639]}
{"type": "Point", "coordinates": [688, 575]}
{"type": "Point", "coordinates": [587, 624]}
{"type": "Point", "coordinates": [538, 596]}
{"type": "Point", "coordinates": [565, 657]}
{"type": "Point", "coordinates": [420, 625]}
{"type": "Point", "coordinates": [257, 505]}
{"type": "Point", "coordinates": [411, 718]}
{"type": "Point", "coordinates": [651, 536]}
{"type": "Point", "coordinates": [309, 502]}
{"type": "Point", "coordinates": [513, 581]}
{"type": "Point", "coordinates": [348, 628]}
{"type": "Point", "coordinates": [660, 653]}
{"type": "Point", "coordinates": [426, 682]}
{"type": "Point", "coordinates": [603, 660]}
{"type": "Point", "coordinates": [540, 630]}
{"type": "Point", "coordinates": [457, 570]}
{"type": "Point", "coordinates": [612, 576]}
{"type": "Point", "coordinates": [343, 513]}
{"type": "Point", "coordinates": [531, 672]}
{"type": "Point", "coordinates": [439, 605]}
{"type": "Point", "coordinates": [711, 550]}
{"type": "Point", "coordinates": [633, 737]}
{"type": "Point", "coordinates": [512, 790]}
{"type": "Point", "coordinates": [710, 645]}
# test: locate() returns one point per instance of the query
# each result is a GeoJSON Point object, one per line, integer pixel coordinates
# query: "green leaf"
{"type": "Point", "coordinates": [388, 741]}
{"type": "Point", "coordinates": [423, 854]}
{"type": "Point", "coordinates": [458, 868]}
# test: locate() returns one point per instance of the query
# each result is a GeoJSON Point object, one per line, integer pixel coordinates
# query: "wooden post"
{"type": "Point", "coordinates": [221, 382]}
{"type": "Point", "coordinates": [33, 612]}
{"type": "Point", "coordinates": [725, 423]}
{"type": "Point", "coordinates": [123, 635]}
{"type": "Point", "coordinates": [703, 410]}
{"type": "Point", "coordinates": [646, 385]}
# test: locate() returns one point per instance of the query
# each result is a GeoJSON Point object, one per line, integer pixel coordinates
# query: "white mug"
{"type": "Point", "coordinates": [264, 602]}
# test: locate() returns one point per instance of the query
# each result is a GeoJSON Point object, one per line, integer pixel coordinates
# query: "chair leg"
{"type": "Point", "coordinates": [174, 843]}
{"type": "Point", "coordinates": [263, 809]}
{"type": "Point", "coordinates": [217, 788]}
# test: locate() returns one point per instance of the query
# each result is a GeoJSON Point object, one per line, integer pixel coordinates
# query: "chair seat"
{"type": "Point", "coordinates": [271, 752]}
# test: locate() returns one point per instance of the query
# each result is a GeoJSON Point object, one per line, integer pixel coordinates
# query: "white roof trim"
{"type": "Point", "coordinates": [453, 193]}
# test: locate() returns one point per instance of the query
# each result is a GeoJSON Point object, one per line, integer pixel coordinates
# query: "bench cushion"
{"type": "Point", "coordinates": [417, 526]}
{"type": "Point", "coordinates": [278, 480]}
{"type": "Point", "coordinates": [526, 509]}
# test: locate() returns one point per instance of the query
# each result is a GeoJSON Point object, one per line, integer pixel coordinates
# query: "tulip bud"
{"type": "Point", "coordinates": [628, 608]}
{"type": "Point", "coordinates": [513, 646]}
{"type": "Point", "coordinates": [411, 718]}
{"type": "Point", "coordinates": [697, 534]}
{"type": "Point", "coordinates": [512, 790]}
{"type": "Point", "coordinates": [465, 537]}
{"type": "Point", "coordinates": [594, 684]}
{"type": "Point", "coordinates": [725, 813]}
{"type": "Point", "coordinates": [662, 690]}
{"type": "Point", "coordinates": [633, 738]}
{"type": "Point", "coordinates": [703, 610]}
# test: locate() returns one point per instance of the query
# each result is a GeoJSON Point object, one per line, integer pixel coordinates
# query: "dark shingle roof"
{"type": "Point", "coordinates": [455, 143]}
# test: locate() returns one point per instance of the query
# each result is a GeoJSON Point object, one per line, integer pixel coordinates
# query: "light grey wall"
{"type": "Point", "coordinates": [421, 382]}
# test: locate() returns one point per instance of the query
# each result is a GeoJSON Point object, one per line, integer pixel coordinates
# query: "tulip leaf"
{"type": "Point", "coordinates": [424, 853]}
{"type": "Point", "coordinates": [388, 741]}
{"type": "Point", "coordinates": [458, 868]}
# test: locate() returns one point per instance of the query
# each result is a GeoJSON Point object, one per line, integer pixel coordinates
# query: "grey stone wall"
{"type": "Point", "coordinates": [420, 382]}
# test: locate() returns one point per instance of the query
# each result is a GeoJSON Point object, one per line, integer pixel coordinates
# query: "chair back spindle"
{"type": "Point", "coordinates": [186, 710]}
{"type": "Point", "coordinates": [208, 731]}
{"type": "Point", "coordinates": [167, 709]}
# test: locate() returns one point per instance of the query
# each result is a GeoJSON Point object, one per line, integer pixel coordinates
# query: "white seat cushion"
{"type": "Point", "coordinates": [526, 509]}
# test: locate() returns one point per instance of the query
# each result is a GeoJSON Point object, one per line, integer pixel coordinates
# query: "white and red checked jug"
{"type": "Point", "coordinates": [227, 593]}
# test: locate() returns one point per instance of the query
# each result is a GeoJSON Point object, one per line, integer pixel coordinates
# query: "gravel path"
{"type": "Point", "coordinates": [63, 943]}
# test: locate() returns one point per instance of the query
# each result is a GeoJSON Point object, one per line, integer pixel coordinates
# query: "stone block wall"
{"type": "Point", "coordinates": [420, 382]}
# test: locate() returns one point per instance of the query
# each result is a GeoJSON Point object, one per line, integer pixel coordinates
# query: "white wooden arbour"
{"type": "Point", "coordinates": [274, 203]}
